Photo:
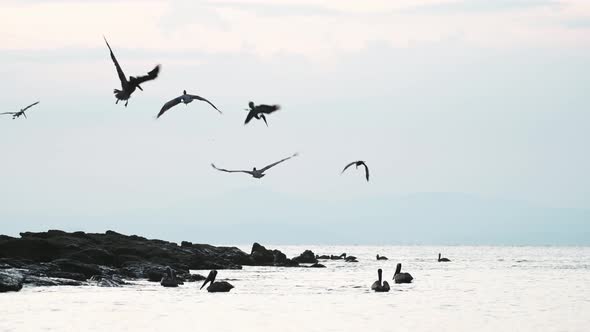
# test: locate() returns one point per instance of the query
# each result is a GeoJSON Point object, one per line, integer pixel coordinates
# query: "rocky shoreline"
{"type": "Point", "coordinates": [58, 258]}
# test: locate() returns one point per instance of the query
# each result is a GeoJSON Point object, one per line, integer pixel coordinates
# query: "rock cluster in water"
{"type": "Point", "coordinates": [57, 258]}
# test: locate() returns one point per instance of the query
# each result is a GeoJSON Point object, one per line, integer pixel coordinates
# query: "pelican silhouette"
{"type": "Point", "coordinates": [357, 164]}
{"type": "Point", "coordinates": [258, 112]}
{"type": "Point", "coordinates": [16, 115]}
{"type": "Point", "coordinates": [186, 99]}
{"type": "Point", "coordinates": [401, 277]}
{"type": "Point", "coordinates": [256, 173]}
{"type": "Point", "coordinates": [443, 259]}
{"type": "Point", "coordinates": [377, 286]}
{"type": "Point", "coordinates": [216, 286]}
{"type": "Point", "coordinates": [129, 86]}
{"type": "Point", "coordinates": [381, 258]}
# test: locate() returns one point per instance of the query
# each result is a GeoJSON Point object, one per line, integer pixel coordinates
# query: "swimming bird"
{"type": "Point", "coordinates": [357, 164]}
{"type": "Point", "coordinates": [443, 259]}
{"type": "Point", "coordinates": [381, 258]}
{"type": "Point", "coordinates": [401, 277]}
{"type": "Point", "coordinates": [341, 256]}
{"type": "Point", "coordinates": [21, 112]}
{"type": "Point", "coordinates": [377, 286]}
{"type": "Point", "coordinates": [129, 86]}
{"type": "Point", "coordinates": [169, 280]}
{"type": "Point", "coordinates": [258, 112]}
{"type": "Point", "coordinates": [350, 259]}
{"type": "Point", "coordinates": [216, 287]}
{"type": "Point", "coordinates": [186, 99]}
{"type": "Point", "coordinates": [256, 173]}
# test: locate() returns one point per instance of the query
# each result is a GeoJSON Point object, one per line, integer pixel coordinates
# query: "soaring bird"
{"type": "Point", "coordinates": [377, 286]}
{"type": "Point", "coordinates": [259, 111]}
{"type": "Point", "coordinates": [21, 112]}
{"type": "Point", "coordinates": [401, 277]}
{"type": "Point", "coordinates": [216, 286]}
{"type": "Point", "coordinates": [257, 173]}
{"type": "Point", "coordinates": [357, 164]}
{"type": "Point", "coordinates": [443, 259]}
{"type": "Point", "coordinates": [129, 86]}
{"type": "Point", "coordinates": [186, 99]}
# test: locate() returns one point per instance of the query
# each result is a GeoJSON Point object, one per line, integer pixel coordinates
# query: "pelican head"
{"type": "Point", "coordinates": [183, 92]}
{"type": "Point", "coordinates": [253, 169]}
{"type": "Point", "coordinates": [251, 105]}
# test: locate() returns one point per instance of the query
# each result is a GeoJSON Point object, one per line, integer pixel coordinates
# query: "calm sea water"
{"type": "Point", "coordinates": [482, 289]}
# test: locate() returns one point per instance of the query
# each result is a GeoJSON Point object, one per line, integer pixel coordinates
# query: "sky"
{"type": "Point", "coordinates": [479, 104]}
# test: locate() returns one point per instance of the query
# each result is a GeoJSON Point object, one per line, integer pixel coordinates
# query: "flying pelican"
{"type": "Point", "coordinates": [216, 287]}
{"type": "Point", "coordinates": [21, 112]}
{"type": "Point", "coordinates": [381, 258]}
{"type": "Point", "coordinates": [257, 173]}
{"type": "Point", "coordinates": [357, 164]}
{"type": "Point", "coordinates": [443, 259]}
{"type": "Point", "coordinates": [186, 99]}
{"type": "Point", "coordinates": [377, 286]}
{"type": "Point", "coordinates": [401, 277]}
{"type": "Point", "coordinates": [129, 86]}
{"type": "Point", "coordinates": [259, 111]}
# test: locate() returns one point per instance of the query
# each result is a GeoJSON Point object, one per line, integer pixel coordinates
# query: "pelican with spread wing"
{"type": "Point", "coordinates": [256, 173]}
{"type": "Point", "coordinates": [16, 115]}
{"type": "Point", "coordinates": [129, 86]}
{"type": "Point", "coordinates": [357, 164]}
{"type": "Point", "coordinates": [258, 112]}
{"type": "Point", "coordinates": [186, 99]}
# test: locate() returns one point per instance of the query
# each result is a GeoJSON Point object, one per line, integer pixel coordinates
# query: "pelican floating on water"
{"type": "Point", "coordinates": [401, 277]}
{"type": "Point", "coordinates": [16, 115]}
{"type": "Point", "coordinates": [258, 112]}
{"type": "Point", "coordinates": [186, 99]}
{"type": "Point", "coordinates": [381, 258]}
{"type": "Point", "coordinates": [256, 173]}
{"type": "Point", "coordinates": [377, 286]}
{"type": "Point", "coordinates": [169, 280]}
{"type": "Point", "coordinates": [216, 286]}
{"type": "Point", "coordinates": [129, 86]}
{"type": "Point", "coordinates": [443, 259]}
{"type": "Point", "coordinates": [357, 164]}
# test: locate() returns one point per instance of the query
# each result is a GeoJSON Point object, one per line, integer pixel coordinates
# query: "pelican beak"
{"type": "Point", "coordinates": [139, 87]}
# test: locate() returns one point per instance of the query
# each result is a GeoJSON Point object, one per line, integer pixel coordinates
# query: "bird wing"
{"type": "Point", "coordinates": [169, 105]}
{"type": "Point", "coordinates": [33, 104]}
{"type": "Point", "coordinates": [230, 171]}
{"type": "Point", "coordinates": [151, 75]}
{"type": "Point", "coordinates": [278, 162]}
{"type": "Point", "coordinates": [249, 116]}
{"type": "Point", "coordinates": [120, 72]}
{"type": "Point", "coordinates": [264, 118]}
{"type": "Point", "coordinates": [205, 100]}
{"type": "Point", "coordinates": [7, 113]}
{"type": "Point", "coordinates": [347, 166]}
{"type": "Point", "coordinates": [267, 109]}
{"type": "Point", "coordinates": [366, 171]}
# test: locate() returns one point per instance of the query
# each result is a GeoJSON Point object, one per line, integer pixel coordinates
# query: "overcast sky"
{"type": "Point", "coordinates": [485, 98]}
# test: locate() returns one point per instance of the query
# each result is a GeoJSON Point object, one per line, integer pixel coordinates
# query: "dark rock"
{"type": "Point", "coordinates": [306, 257]}
{"type": "Point", "coordinates": [322, 257]}
{"type": "Point", "coordinates": [317, 265]}
{"type": "Point", "coordinates": [261, 256]}
{"type": "Point", "coordinates": [47, 281]}
{"type": "Point", "coordinates": [70, 265]}
{"type": "Point", "coordinates": [196, 277]}
{"type": "Point", "coordinates": [11, 280]}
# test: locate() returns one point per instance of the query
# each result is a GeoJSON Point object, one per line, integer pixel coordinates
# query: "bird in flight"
{"type": "Point", "coordinates": [129, 86]}
{"type": "Point", "coordinates": [186, 99]}
{"type": "Point", "coordinates": [256, 173]}
{"type": "Point", "coordinates": [21, 112]}
{"type": "Point", "coordinates": [357, 164]}
{"type": "Point", "coordinates": [258, 112]}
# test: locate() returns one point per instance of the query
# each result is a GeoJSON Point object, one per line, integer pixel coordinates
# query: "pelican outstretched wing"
{"type": "Point", "coordinates": [264, 118]}
{"type": "Point", "coordinates": [33, 104]}
{"type": "Point", "coordinates": [230, 171]}
{"type": "Point", "coordinates": [249, 116]}
{"type": "Point", "coordinates": [169, 105]}
{"type": "Point", "coordinates": [278, 162]}
{"type": "Point", "coordinates": [347, 166]}
{"type": "Point", "coordinates": [151, 75]}
{"type": "Point", "coordinates": [366, 171]}
{"type": "Point", "coordinates": [267, 109]}
{"type": "Point", "coordinates": [12, 113]}
{"type": "Point", "coordinates": [120, 72]}
{"type": "Point", "coordinates": [205, 100]}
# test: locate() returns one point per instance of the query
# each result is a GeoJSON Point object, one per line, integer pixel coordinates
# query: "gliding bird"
{"type": "Point", "coordinates": [21, 112]}
{"type": "Point", "coordinates": [357, 164]}
{"type": "Point", "coordinates": [186, 99]}
{"type": "Point", "coordinates": [256, 173]}
{"type": "Point", "coordinates": [129, 86]}
{"type": "Point", "coordinates": [259, 111]}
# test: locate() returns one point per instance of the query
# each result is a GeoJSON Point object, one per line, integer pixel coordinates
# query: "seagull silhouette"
{"type": "Point", "coordinates": [256, 173]}
{"type": "Point", "coordinates": [186, 99]}
{"type": "Point", "coordinates": [357, 164]}
{"type": "Point", "coordinates": [21, 112]}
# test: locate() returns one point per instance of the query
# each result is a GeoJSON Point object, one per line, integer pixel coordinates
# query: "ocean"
{"type": "Point", "coordinates": [483, 288]}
